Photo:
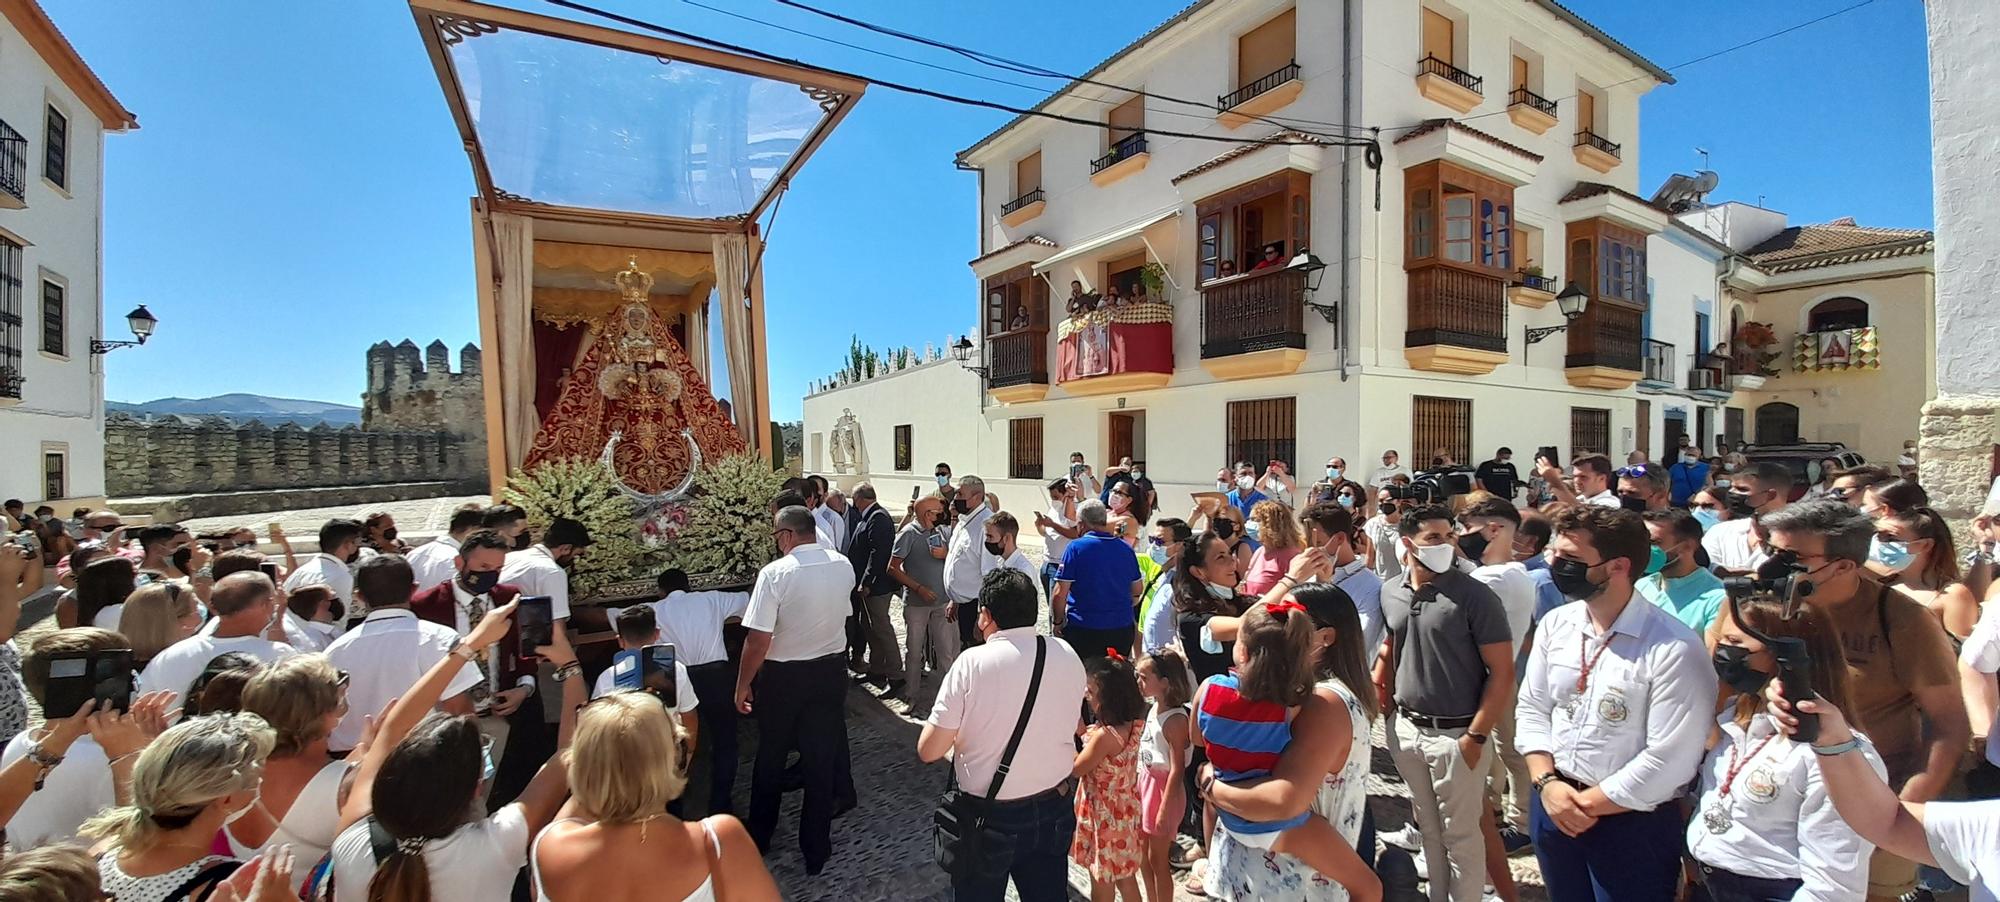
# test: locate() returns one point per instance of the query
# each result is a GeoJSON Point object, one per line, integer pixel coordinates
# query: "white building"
{"type": "Point", "coordinates": [54, 113]}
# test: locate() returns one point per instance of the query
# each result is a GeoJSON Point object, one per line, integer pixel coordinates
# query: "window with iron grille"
{"type": "Point", "coordinates": [1263, 431]}
{"type": "Point", "coordinates": [11, 340]}
{"type": "Point", "coordinates": [1024, 448]}
{"type": "Point", "coordinates": [55, 149]}
{"type": "Point", "coordinates": [55, 481]}
{"type": "Point", "coordinates": [903, 448]}
{"type": "Point", "coordinates": [1440, 424]}
{"type": "Point", "coordinates": [1589, 431]}
{"type": "Point", "coordinates": [53, 310]}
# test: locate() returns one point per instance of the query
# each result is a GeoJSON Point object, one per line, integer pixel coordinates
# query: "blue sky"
{"type": "Point", "coordinates": [297, 191]}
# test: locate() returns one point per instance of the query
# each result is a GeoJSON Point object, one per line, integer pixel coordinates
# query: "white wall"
{"type": "Point", "coordinates": [1965, 112]}
{"type": "Point", "coordinates": [1683, 272]}
{"type": "Point", "coordinates": [61, 399]}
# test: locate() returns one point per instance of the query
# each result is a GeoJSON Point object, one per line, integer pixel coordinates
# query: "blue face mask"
{"type": "Point", "coordinates": [1707, 519]}
{"type": "Point", "coordinates": [1333, 473]}
{"type": "Point", "coordinates": [1157, 553]}
{"type": "Point", "coordinates": [1891, 554]}
{"type": "Point", "coordinates": [1254, 532]}
{"type": "Point", "coordinates": [1657, 562]}
{"type": "Point", "coordinates": [1346, 501]}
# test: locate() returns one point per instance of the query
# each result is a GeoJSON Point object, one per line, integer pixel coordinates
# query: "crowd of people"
{"type": "Point", "coordinates": [1595, 671]}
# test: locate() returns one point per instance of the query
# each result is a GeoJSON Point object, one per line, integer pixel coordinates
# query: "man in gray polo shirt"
{"type": "Point", "coordinates": [1450, 661]}
{"type": "Point", "coordinates": [916, 562]}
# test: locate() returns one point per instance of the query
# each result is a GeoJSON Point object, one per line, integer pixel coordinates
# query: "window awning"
{"type": "Point", "coordinates": [583, 122]}
{"type": "Point", "coordinates": [1115, 240]}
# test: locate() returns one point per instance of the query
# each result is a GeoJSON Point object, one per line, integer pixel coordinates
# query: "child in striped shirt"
{"type": "Point", "coordinates": [1243, 718]}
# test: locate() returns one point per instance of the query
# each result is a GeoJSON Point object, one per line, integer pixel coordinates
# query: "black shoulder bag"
{"type": "Point", "coordinates": [962, 844]}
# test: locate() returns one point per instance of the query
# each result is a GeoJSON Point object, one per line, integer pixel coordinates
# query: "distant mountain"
{"type": "Point", "coordinates": [243, 408]}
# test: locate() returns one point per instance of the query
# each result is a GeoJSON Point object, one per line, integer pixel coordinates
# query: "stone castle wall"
{"type": "Point", "coordinates": [420, 423]}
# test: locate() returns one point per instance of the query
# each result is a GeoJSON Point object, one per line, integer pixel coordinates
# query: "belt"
{"type": "Point", "coordinates": [1055, 791]}
{"type": "Point", "coordinates": [1430, 722]}
{"type": "Point", "coordinates": [1573, 782]}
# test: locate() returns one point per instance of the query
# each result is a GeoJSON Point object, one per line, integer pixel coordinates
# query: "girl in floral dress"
{"type": "Point", "coordinates": [1107, 841]}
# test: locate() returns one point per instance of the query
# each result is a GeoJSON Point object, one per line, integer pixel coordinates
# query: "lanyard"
{"type": "Point", "coordinates": [1587, 664]}
{"type": "Point", "coordinates": [1737, 764]}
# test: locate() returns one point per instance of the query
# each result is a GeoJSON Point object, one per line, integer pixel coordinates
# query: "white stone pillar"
{"type": "Point", "coordinates": [1961, 425]}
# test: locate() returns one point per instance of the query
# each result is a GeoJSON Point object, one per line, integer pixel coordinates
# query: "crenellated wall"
{"type": "Point", "coordinates": [413, 390]}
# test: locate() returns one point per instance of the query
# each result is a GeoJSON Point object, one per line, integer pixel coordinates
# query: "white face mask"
{"type": "Point", "coordinates": [1435, 558]}
{"type": "Point", "coordinates": [238, 814]}
{"type": "Point", "coordinates": [1245, 482]}
{"type": "Point", "coordinates": [1222, 592]}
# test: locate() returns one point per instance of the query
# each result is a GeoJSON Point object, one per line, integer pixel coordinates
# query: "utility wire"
{"type": "Point", "coordinates": [941, 95]}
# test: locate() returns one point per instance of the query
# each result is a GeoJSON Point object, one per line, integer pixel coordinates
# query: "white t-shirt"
{"type": "Point", "coordinates": [1965, 839]}
{"type": "Point", "coordinates": [434, 562]}
{"type": "Point", "coordinates": [108, 616]}
{"type": "Point", "coordinates": [1516, 589]}
{"type": "Point", "coordinates": [325, 570]}
{"type": "Point", "coordinates": [175, 668]}
{"type": "Point", "coordinates": [1606, 498]}
{"type": "Point", "coordinates": [475, 864]}
{"type": "Point", "coordinates": [76, 790]}
{"type": "Point", "coordinates": [981, 698]}
{"type": "Point", "coordinates": [1054, 543]}
{"type": "Point", "coordinates": [298, 634]}
{"type": "Point", "coordinates": [1728, 546]}
{"type": "Point", "coordinates": [684, 697]}
{"type": "Point", "coordinates": [693, 623]}
{"type": "Point", "coordinates": [801, 599]}
{"type": "Point", "coordinates": [535, 572]}
{"type": "Point", "coordinates": [1981, 652]}
{"type": "Point", "coordinates": [386, 655]}
{"type": "Point", "coordinates": [1019, 561]}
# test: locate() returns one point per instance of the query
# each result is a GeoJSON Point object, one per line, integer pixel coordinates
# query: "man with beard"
{"type": "Point", "coordinates": [339, 546]}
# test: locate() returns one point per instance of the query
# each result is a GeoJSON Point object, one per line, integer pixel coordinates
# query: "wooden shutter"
{"type": "Point", "coordinates": [1028, 174]}
{"type": "Point", "coordinates": [1439, 423]}
{"type": "Point", "coordinates": [1520, 72]}
{"type": "Point", "coordinates": [1266, 49]}
{"type": "Point", "coordinates": [1264, 430]}
{"type": "Point", "coordinates": [1437, 35]}
{"type": "Point", "coordinates": [1589, 431]}
{"type": "Point", "coordinates": [1024, 448]}
{"type": "Point", "coordinates": [1645, 431]}
{"type": "Point", "coordinates": [1126, 118]}
{"type": "Point", "coordinates": [1586, 111]}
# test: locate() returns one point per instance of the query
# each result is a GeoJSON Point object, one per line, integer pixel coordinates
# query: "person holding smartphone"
{"type": "Point", "coordinates": [638, 631]}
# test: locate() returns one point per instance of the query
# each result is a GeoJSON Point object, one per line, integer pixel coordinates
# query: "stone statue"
{"type": "Point", "coordinates": [846, 443]}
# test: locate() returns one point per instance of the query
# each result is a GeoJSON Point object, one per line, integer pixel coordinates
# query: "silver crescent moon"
{"type": "Point", "coordinates": [643, 499]}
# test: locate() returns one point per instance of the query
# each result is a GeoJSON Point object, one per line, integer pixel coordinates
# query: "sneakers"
{"type": "Point", "coordinates": [1514, 840]}
{"type": "Point", "coordinates": [1409, 839]}
{"type": "Point", "coordinates": [1487, 894]}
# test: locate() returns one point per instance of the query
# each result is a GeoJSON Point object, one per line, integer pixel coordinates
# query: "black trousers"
{"type": "Point", "coordinates": [1090, 643]}
{"type": "Point", "coordinates": [968, 625]}
{"type": "Point", "coordinates": [715, 688]}
{"type": "Point", "coordinates": [531, 741]}
{"type": "Point", "coordinates": [800, 705]}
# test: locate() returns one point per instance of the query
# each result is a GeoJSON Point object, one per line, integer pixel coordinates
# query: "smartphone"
{"type": "Point", "coordinates": [1548, 453]}
{"type": "Point", "coordinates": [80, 676]}
{"type": "Point", "coordinates": [916, 491]}
{"type": "Point", "coordinates": [269, 569]}
{"type": "Point", "coordinates": [1075, 472]}
{"type": "Point", "coordinates": [536, 619]}
{"type": "Point", "coordinates": [656, 672]}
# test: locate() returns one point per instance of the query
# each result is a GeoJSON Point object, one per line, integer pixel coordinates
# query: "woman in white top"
{"type": "Point", "coordinates": [1324, 770]}
{"type": "Point", "coordinates": [628, 762]}
{"type": "Point", "coordinates": [298, 802]}
{"type": "Point", "coordinates": [411, 829]}
{"type": "Point", "coordinates": [155, 617]}
{"type": "Point", "coordinates": [188, 783]}
{"type": "Point", "coordinates": [1763, 827]}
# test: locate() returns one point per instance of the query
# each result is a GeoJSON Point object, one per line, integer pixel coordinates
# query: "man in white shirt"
{"type": "Point", "coordinates": [793, 679]}
{"type": "Point", "coordinates": [78, 787]}
{"type": "Point", "coordinates": [302, 635]}
{"type": "Point", "coordinates": [542, 569]}
{"type": "Point", "coordinates": [638, 629]}
{"type": "Point", "coordinates": [436, 561]}
{"type": "Point", "coordinates": [1591, 479]}
{"type": "Point", "coordinates": [1058, 526]}
{"type": "Point", "coordinates": [693, 622]}
{"type": "Point", "coordinates": [1614, 717]}
{"type": "Point", "coordinates": [965, 556]}
{"type": "Point", "coordinates": [978, 705]}
{"type": "Point", "coordinates": [391, 650]}
{"type": "Point", "coordinates": [245, 605]}
{"type": "Point", "coordinates": [339, 546]}
{"type": "Point", "coordinates": [1330, 528]}
{"type": "Point", "coordinates": [1487, 541]}
{"type": "Point", "coordinates": [1732, 545]}
{"type": "Point", "coordinates": [1388, 471]}
{"type": "Point", "coordinates": [1002, 531]}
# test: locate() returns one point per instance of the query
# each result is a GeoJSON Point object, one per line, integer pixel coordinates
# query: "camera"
{"type": "Point", "coordinates": [1434, 486]}
{"type": "Point", "coordinates": [1777, 576]}
{"type": "Point", "coordinates": [26, 541]}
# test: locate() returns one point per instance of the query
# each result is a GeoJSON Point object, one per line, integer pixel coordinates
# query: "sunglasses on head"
{"type": "Point", "coordinates": [1635, 471]}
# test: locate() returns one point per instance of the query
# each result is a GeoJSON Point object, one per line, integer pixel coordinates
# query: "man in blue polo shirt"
{"type": "Point", "coordinates": [1097, 588]}
{"type": "Point", "coordinates": [1245, 495]}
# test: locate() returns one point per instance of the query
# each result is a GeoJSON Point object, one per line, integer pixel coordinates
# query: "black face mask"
{"type": "Point", "coordinates": [1225, 528]}
{"type": "Point", "coordinates": [479, 582]}
{"type": "Point", "coordinates": [522, 541]}
{"type": "Point", "coordinates": [992, 547]}
{"type": "Point", "coordinates": [352, 556]}
{"type": "Point", "coordinates": [1572, 579]}
{"type": "Point", "coordinates": [1388, 508]}
{"type": "Point", "coordinates": [1632, 503]}
{"type": "Point", "coordinates": [1732, 666]}
{"type": "Point", "coordinates": [389, 535]}
{"type": "Point", "coordinates": [1473, 545]}
{"type": "Point", "coordinates": [960, 505]}
{"type": "Point", "coordinates": [1740, 505]}
{"type": "Point", "coordinates": [182, 557]}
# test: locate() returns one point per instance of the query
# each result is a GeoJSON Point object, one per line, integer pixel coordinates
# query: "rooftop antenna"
{"type": "Point", "coordinates": [1760, 200]}
{"type": "Point", "coordinates": [1704, 156]}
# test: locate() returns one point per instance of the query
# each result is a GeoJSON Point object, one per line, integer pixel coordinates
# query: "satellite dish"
{"type": "Point", "coordinates": [1704, 181]}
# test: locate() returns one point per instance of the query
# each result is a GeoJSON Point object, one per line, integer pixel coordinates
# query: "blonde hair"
{"type": "Point", "coordinates": [151, 619]}
{"type": "Point", "coordinates": [1276, 529]}
{"type": "Point", "coordinates": [184, 771]}
{"type": "Point", "coordinates": [294, 696]}
{"type": "Point", "coordinates": [625, 762]}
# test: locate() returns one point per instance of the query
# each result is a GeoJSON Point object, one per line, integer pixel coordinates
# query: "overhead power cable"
{"type": "Point", "coordinates": [1318, 140]}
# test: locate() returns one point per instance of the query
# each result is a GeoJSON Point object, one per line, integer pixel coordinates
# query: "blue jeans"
{"type": "Point", "coordinates": [1049, 578]}
{"type": "Point", "coordinates": [1042, 827]}
{"type": "Point", "coordinates": [1632, 857]}
{"type": "Point", "coordinates": [1728, 886]}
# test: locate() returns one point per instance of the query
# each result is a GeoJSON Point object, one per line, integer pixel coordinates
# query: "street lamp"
{"type": "Point", "coordinates": [140, 320]}
{"type": "Point", "coordinates": [962, 351]}
{"type": "Point", "coordinates": [1309, 265]}
{"type": "Point", "coordinates": [1572, 303]}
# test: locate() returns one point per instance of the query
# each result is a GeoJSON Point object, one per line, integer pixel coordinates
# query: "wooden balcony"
{"type": "Point", "coordinates": [1605, 347]}
{"type": "Point", "coordinates": [1457, 321]}
{"type": "Point", "coordinates": [1110, 351]}
{"type": "Point", "coordinates": [1254, 324]}
{"type": "Point", "coordinates": [1018, 366]}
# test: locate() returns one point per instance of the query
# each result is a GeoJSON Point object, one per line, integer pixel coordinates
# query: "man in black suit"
{"type": "Point", "coordinates": [868, 546]}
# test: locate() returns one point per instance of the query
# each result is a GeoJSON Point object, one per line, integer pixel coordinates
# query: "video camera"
{"type": "Point", "coordinates": [1434, 486]}
{"type": "Point", "coordinates": [1778, 577]}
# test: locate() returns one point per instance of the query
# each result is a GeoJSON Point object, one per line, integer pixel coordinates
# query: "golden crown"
{"type": "Point", "coordinates": [633, 283]}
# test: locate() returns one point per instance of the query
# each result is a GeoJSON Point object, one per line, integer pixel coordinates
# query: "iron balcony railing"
{"type": "Point", "coordinates": [1244, 94]}
{"type": "Point", "coordinates": [1659, 362]}
{"type": "Point", "coordinates": [1588, 138]}
{"type": "Point", "coordinates": [1431, 65]}
{"type": "Point", "coordinates": [13, 163]}
{"type": "Point", "coordinates": [1531, 100]}
{"type": "Point", "coordinates": [1022, 201]}
{"type": "Point", "coordinates": [1536, 282]}
{"type": "Point", "coordinates": [10, 382]}
{"type": "Point", "coordinates": [1128, 147]}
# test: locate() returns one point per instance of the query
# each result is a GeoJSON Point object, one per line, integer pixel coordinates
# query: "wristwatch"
{"type": "Point", "coordinates": [1545, 780]}
{"type": "Point", "coordinates": [1477, 738]}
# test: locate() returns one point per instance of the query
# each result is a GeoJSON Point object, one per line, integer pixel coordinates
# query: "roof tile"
{"type": "Point", "coordinates": [1031, 239]}
{"type": "Point", "coordinates": [1836, 242]}
{"type": "Point", "coordinates": [1278, 138]}
{"type": "Point", "coordinates": [1455, 125]}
